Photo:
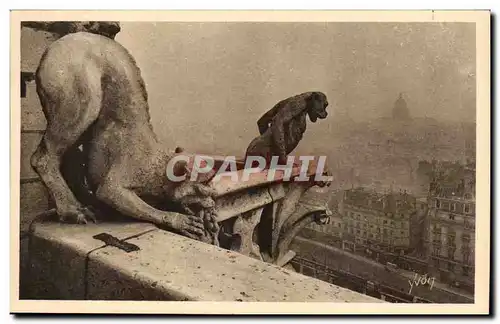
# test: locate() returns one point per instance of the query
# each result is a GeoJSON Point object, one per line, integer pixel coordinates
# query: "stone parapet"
{"type": "Point", "coordinates": [66, 262]}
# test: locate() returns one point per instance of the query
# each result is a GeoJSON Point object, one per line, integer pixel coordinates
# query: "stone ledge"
{"type": "Point", "coordinates": [57, 256]}
{"type": "Point", "coordinates": [68, 263]}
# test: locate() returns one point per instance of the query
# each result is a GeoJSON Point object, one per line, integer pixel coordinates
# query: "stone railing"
{"type": "Point", "coordinates": [142, 262]}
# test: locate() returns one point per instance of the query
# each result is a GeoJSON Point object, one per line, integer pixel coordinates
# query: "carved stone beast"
{"type": "Point", "coordinates": [93, 95]}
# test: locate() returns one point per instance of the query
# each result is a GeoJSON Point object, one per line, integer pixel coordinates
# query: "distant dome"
{"type": "Point", "coordinates": [400, 110]}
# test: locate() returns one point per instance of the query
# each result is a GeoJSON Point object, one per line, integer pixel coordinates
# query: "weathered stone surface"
{"type": "Point", "coordinates": [37, 36]}
{"type": "Point", "coordinates": [244, 227]}
{"type": "Point", "coordinates": [277, 191]}
{"type": "Point", "coordinates": [237, 203]}
{"type": "Point", "coordinates": [301, 217]}
{"type": "Point", "coordinates": [58, 255]}
{"type": "Point", "coordinates": [23, 266]}
{"type": "Point", "coordinates": [33, 45]}
{"type": "Point", "coordinates": [33, 200]}
{"type": "Point", "coordinates": [29, 143]}
{"type": "Point", "coordinates": [32, 117]}
{"type": "Point", "coordinates": [172, 267]}
{"type": "Point", "coordinates": [56, 270]}
{"type": "Point", "coordinates": [81, 238]}
{"type": "Point", "coordinates": [226, 185]}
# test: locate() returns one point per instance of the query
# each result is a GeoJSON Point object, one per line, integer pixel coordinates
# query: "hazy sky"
{"type": "Point", "coordinates": [214, 80]}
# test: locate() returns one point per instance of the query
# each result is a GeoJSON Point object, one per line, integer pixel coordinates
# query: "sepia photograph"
{"type": "Point", "coordinates": [299, 160]}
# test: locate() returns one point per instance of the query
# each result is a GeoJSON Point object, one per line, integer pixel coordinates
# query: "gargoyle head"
{"type": "Point", "coordinates": [316, 107]}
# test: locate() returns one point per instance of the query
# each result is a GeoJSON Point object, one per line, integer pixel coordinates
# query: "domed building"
{"type": "Point", "coordinates": [400, 111]}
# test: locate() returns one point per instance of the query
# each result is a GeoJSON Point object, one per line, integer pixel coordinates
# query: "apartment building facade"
{"type": "Point", "coordinates": [380, 221]}
{"type": "Point", "coordinates": [450, 237]}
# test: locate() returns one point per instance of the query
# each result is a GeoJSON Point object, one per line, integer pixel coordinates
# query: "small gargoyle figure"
{"type": "Point", "coordinates": [282, 127]}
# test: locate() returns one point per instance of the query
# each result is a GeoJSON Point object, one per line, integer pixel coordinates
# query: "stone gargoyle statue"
{"type": "Point", "coordinates": [96, 106]}
{"type": "Point", "coordinates": [283, 126]}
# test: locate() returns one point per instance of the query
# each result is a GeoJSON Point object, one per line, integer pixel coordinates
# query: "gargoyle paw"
{"type": "Point", "coordinates": [77, 215]}
{"type": "Point", "coordinates": [188, 225]}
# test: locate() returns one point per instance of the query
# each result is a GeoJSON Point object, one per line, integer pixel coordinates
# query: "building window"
{"type": "Point", "coordinates": [466, 208]}
{"type": "Point", "coordinates": [436, 234]}
{"type": "Point", "coordinates": [451, 253]}
{"type": "Point", "coordinates": [385, 221]}
{"type": "Point", "coordinates": [437, 250]}
{"type": "Point", "coordinates": [453, 207]}
{"type": "Point", "coordinates": [450, 266]}
{"type": "Point", "coordinates": [358, 231]}
{"type": "Point", "coordinates": [451, 239]}
{"type": "Point", "coordinates": [466, 256]}
{"type": "Point", "coordinates": [451, 217]}
{"type": "Point", "coordinates": [438, 203]}
{"type": "Point", "coordinates": [446, 205]}
{"type": "Point", "coordinates": [465, 271]}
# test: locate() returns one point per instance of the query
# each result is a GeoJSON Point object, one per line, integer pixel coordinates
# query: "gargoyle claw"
{"type": "Point", "coordinates": [77, 215]}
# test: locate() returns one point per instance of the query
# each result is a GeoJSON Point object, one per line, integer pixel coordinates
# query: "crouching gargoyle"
{"type": "Point", "coordinates": [282, 128]}
{"type": "Point", "coordinates": [93, 97]}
